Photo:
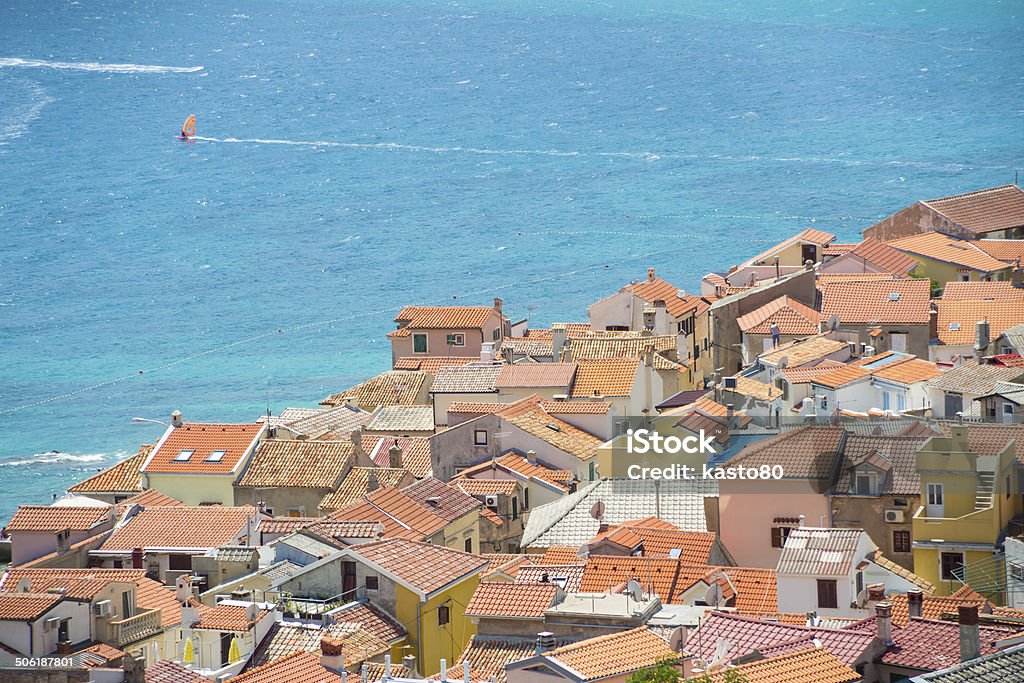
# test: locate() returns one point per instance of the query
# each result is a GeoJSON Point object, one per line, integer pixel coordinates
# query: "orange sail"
{"type": "Point", "coordinates": [188, 129]}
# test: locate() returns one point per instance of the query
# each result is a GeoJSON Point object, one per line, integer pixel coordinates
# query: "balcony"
{"type": "Point", "coordinates": [126, 631]}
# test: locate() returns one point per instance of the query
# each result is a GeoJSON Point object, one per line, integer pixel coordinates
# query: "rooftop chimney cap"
{"type": "Point", "coordinates": [176, 420]}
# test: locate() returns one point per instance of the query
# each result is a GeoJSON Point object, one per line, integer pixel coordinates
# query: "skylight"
{"type": "Point", "coordinates": [185, 455]}
{"type": "Point", "coordinates": [216, 456]}
{"type": "Point", "coordinates": [955, 327]}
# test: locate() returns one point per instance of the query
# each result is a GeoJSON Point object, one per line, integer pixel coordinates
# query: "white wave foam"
{"type": "Point", "coordinates": [53, 457]}
{"type": "Point", "coordinates": [99, 66]}
{"type": "Point", "coordinates": [14, 126]}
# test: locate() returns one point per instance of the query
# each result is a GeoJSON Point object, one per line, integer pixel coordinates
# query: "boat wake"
{"type": "Point", "coordinates": [52, 457]}
{"type": "Point", "coordinates": [98, 66]}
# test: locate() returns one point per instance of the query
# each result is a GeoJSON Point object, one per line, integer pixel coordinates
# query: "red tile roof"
{"type": "Point", "coordinates": [431, 364]}
{"type": "Point", "coordinates": [540, 375]}
{"type": "Point", "coordinates": [444, 317]}
{"type": "Point", "coordinates": [576, 407]}
{"type": "Point", "coordinates": [295, 463]}
{"type": "Point", "coordinates": [57, 518]}
{"type": "Point", "coordinates": [804, 452]}
{"type": "Point", "coordinates": [402, 515]}
{"type": "Point", "coordinates": [613, 654]}
{"type": "Point", "coordinates": [425, 567]}
{"type": "Point", "coordinates": [1007, 251]}
{"type": "Point", "coordinates": [124, 477]}
{"type": "Point", "coordinates": [371, 618]}
{"type": "Point", "coordinates": [206, 440]}
{"type": "Point", "coordinates": [983, 211]}
{"type": "Point", "coordinates": [82, 584]}
{"type": "Point", "coordinates": [415, 453]}
{"type": "Point", "coordinates": [229, 618]}
{"type": "Point", "coordinates": [653, 289]}
{"type": "Point", "coordinates": [607, 377]}
{"type": "Point", "coordinates": [511, 600]}
{"type": "Point", "coordinates": [982, 291]}
{"type": "Point", "coordinates": [298, 667]}
{"type": "Point", "coordinates": [878, 301]}
{"type": "Point", "coordinates": [957, 252]}
{"type": "Point", "coordinates": [26, 606]}
{"type": "Point", "coordinates": [807, 666]}
{"type": "Point", "coordinates": [884, 257]}
{"type": "Point", "coordinates": [166, 671]}
{"type": "Point", "coordinates": [957, 319]}
{"type": "Point", "coordinates": [929, 644]}
{"type": "Point", "coordinates": [518, 464]}
{"type": "Point", "coordinates": [791, 316]}
{"type": "Point", "coordinates": [183, 527]}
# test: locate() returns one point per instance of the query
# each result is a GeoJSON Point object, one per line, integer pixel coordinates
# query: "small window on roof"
{"type": "Point", "coordinates": [184, 455]}
{"type": "Point", "coordinates": [894, 296]}
{"type": "Point", "coordinates": [216, 456]}
{"type": "Point", "coordinates": [955, 327]}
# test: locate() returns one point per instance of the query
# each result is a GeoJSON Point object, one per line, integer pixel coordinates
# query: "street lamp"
{"type": "Point", "coordinates": [140, 420]}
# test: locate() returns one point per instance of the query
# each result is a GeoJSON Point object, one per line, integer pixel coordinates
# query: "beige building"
{"type": "Point", "coordinates": [473, 331]}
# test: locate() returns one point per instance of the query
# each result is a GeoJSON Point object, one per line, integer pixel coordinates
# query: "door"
{"type": "Point", "coordinates": [899, 342]}
{"type": "Point", "coordinates": [954, 403]}
{"type": "Point", "coordinates": [934, 506]}
{"type": "Point", "coordinates": [348, 578]}
{"type": "Point", "coordinates": [225, 648]}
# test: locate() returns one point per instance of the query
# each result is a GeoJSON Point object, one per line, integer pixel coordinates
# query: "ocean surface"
{"type": "Point", "coordinates": [356, 156]}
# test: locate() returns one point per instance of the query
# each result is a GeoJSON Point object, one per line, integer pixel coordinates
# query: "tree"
{"type": "Point", "coordinates": [664, 671]}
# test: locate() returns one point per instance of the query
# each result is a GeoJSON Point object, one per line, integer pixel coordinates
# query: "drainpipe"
{"type": "Point", "coordinates": [419, 630]}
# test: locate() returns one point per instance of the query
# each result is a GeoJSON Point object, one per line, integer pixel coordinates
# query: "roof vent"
{"type": "Point", "coordinates": [894, 296]}
{"type": "Point", "coordinates": [681, 293]}
{"type": "Point", "coordinates": [553, 427]}
{"type": "Point", "coordinates": [434, 500]}
{"type": "Point", "coordinates": [954, 327]}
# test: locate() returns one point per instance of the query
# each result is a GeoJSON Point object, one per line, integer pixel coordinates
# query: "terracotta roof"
{"type": "Point", "coordinates": [484, 487]}
{"type": "Point", "coordinates": [755, 389]}
{"type": "Point", "coordinates": [531, 418]}
{"type": "Point", "coordinates": [932, 606]}
{"type": "Point", "coordinates": [443, 500]}
{"type": "Point", "coordinates": [887, 301]}
{"type": "Point", "coordinates": [518, 600]}
{"type": "Point", "coordinates": [519, 464]}
{"type": "Point", "coordinates": [803, 351]}
{"type": "Point", "coordinates": [820, 552]}
{"type": "Point", "coordinates": [840, 376]}
{"type": "Point", "coordinates": [317, 424]}
{"type": "Point", "coordinates": [746, 635]}
{"type": "Point", "coordinates": [216, 448]}
{"type": "Point", "coordinates": [808, 666]}
{"type": "Point", "coordinates": [807, 452]}
{"type": "Point", "coordinates": [475, 408]}
{"type": "Point", "coordinates": [929, 644]}
{"type": "Point", "coordinates": [357, 643]}
{"type": "Point", "coordinates": [151, 594]}
{"type": "Point", "coordinates": [26, 606]}
{"type": "Point", "coordinates": [57, 518]}
{"type": "Point", "coordinates": [884, 257]}
{"type": "Point", "coordinates": [150, 498]}
{"type": "Point", "coordinates": [1000, 290]}
{"type": "Point", "coordinates": [487, 657]}
{"type": "Point", "coordinates": [167, 671]}
{"type": "Point", "coordinates": [627, 345]}
{"type": "Point", "coordinates": [899, 454]}
{"type": "Point", "coordinates": [402, 418]}
{"type": "Point", "coordinates": [613, 654]}
{"type": "Point", "coordinates": [990, 439]}
{"type": "Point", "coordinates": [415, 453]}
{"type": "Point", "coordinates": [298, 667]}
{"type": "Point", "coordinates": [508, 564]}
{"type": "Point", "coordinates": [445, 317]}
{"type": "Point", "coordinates": [425, 567]}
{"type": "Point", "coordinates": [576, 407]}
{"type": "Point", "coordinates": [909, 371]}
{"type": "Point", "coordinates": [338, 529]}
{"type": "Point", "coordinates": [957, 252]}
{"type": "Point", "coordinates": [1007, 251]}
{"type": "Point", "coordinates": [957, 319]}
{"type": "Point", "coordinates": [806, 374]}
{"type": "Point", "coordinates": [692, 547]}
{"type": "Point", "coordinates": [182, 527]}
{"type": "Point", "coordinates": [608, 377]}
{"type": "Point", "coordinates": [791, 316]}
{"type": "Point", "coordinates": [402, 515]}
{"type": "Point", "coordinates": [431, 364]}
{"type": "Point", "coordinates": [124, 477]}
{"type": "Point", "coordinates": [392, 388]}
{"type": "Point", "coordinates": [989, 210]}
{"type": "Point", "coordinates": [481, 378]}
{"type": "Point", "coordinates": [356, 485]}
{"type": "Point", "coordinates": [371, 618]}
{"type": "Point", "coordinates": [295, 463]}
{"type": "Point", "coordinates": [839, 248]}
{"type": "Point", "coordinates": [754, 588]}
{"type": "Point", "coordinates": [972, 378]}
{"type": "Point", "coordinates": [562, 554]}
{"type": "Point", "coordinates": [793, 618]}
{"type": "Point", "coordinates": [556, 375]}
{"type": "Point", "coordinates": [653, 288]}
{"type": "Point", "coordinates": [811, 235]}
{"type": "Point", "coordinates": [81, 584]}
{"type": "Point", "coordinates": [567, 576]}
{"type": "Point", "coordinates": [228, 618]}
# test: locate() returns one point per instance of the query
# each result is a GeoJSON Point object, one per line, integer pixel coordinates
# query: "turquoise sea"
{"type": "Point", "coordinates": [363, 155]}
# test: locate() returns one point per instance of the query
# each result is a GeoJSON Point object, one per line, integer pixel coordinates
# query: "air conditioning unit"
{"type": "Point", "coordinates": [869, 351]}
{"type": "Point", "coordinates": [491, 501]}
{"type": "Point", "coordinates": [729, 382]}
{"type": "Point", "coordinates": [893, 516]}
{"type": "Point", "coordinates": [104, 608]}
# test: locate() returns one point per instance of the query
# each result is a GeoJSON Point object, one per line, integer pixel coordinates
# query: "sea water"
{"type": "Point", "coordinates": [356, 156]}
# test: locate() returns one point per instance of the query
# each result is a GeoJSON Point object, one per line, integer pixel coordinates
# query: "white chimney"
{"type": "Point", "coordinates": [970, 642]}
{"type": "Point", "coordinates": [176, 419]}
{"type": "Point", "coordinates": [883, 618]}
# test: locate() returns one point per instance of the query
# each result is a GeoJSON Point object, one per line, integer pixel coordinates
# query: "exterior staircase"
{"type": "Point", "coordinates": [983, 496]}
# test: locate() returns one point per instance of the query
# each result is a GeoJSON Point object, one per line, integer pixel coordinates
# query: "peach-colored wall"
{"type": "Point", "coordinates": [748, 508]}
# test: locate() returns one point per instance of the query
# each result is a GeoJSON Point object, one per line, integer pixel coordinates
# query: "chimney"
{"type": "Point", "coordinates": [497, 305]}
{"type": "Point", "coordinates": [444, 670]}
{"type": "Point", "coordinates": [395, 455]}
{"type": "Point", "coordinates": [62, 540]}
{"type": "Point", "coordinates": [372, 483]}
{"type": "Point", "coordinates": [811, 619]}
{"type": "Point", "coordinates": [970, 643]}
{"type": "Point", "coordinates": [1017, 277]}
{"type": "Point", "coordinates": [915, 602]}
{"type": "Point", "coordinates": [356, 438]}
{"type": "Point", "coordinates": [137, 558]}
{"type": "Point", "coordinates": [958, 439]}
{"type": "Point", "coordinates": [602, 527]}
{"type": "Point", "coordinates": [63, 648]}
{"type": "Point", "coordinates": [649, 355]}
{"type": "Point", "coordinates": [183, 588]}
{"type": "Point", "coordinates": [883, 617]}
{"type": "Point", "coordinates": [531, 457]}
{"type": "Point", "coordinates": [387, 667]}
{"type": "Point", "coordinates": [409, 662]}
{"type": "Point", "coordinates": [332, 654]}
{"type": "Point", "coordinates": [176, 419]}
{"type": "Point", "coordinates": [876, 594]}
{"type": "Point", "coordinates": [801, 520]}
{"type": "Point", "coordinates": [559, 334]}
{"type": "Point", "coordinates": [545, 641]}
{"type": "Point", "coordinates": [981, 339]}
{"type": "Point", "coordinates": [189, 615]}
{"type": "Point", "coordinates": [650, 274]}
{"type": "Point", "coordinates": [465, 671]}
{"type": "Point", "coordinates": [686, 665]}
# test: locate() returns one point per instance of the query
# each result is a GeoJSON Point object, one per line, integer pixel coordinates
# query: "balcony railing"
{"type": "Point", "coordinates": [126, 631]}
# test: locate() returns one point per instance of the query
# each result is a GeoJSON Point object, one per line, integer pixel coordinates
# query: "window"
{"type": "Point", "coordinates": [496, 335]}
{"type": "Point", "coordinates": [616, 328]}
{"type": "Point", "coordinates": [184, 455]}
{"type": "Point", "coordinates": [297, 512]}
{"type": "Point", "coordinates": [950, 563]}
{"type": "Point", "coordinates": [179, 563]}
{"type": "Point", "coordinates": [63, 631]}
{"type": "Point", "coordinates": [901, 541]}
{"type": "Point", "coordinates": [866, 484]}
{"type": "Point", "coordinates": [696, 352]}
{"type": "Point", "coordinates": [526, 497]}
{"type": "Point", "coordinates": [479, 437]}
{"type": "Point", "coordinates": [216, 456]}
{"type": "Point", "coordinates": [827, 598]}
{"type": "Point", "coordinates": [515, 507]}
{"type": "Point", "coordinates": [126, 605]}
{"type": "Point", "coordinates": [885, 400]}
{"type": "Point", "coordinates": [468, 545]}
{"type": "Point", "coordinates": [419, 343]}
{"type": "Point", "coordinates": [779, 535]}
{"type": "Point", "coordinates": [372, 583]}
{"type": "Point", "coordinates": [443, 615]}
{"type": "Point", "coordinates": [901, 402]}
{"type": "Point", "coordinates": [900, 502]}
{"type": "Point", "coordinates": [934, 494]}
{"type": "Point", "coordinates": [456, 340]}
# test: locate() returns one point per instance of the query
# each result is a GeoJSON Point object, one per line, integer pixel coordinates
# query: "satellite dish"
{"type": "Point", "coordinates": [635, 590]}
{"type": "Point", "coordinates": [713, 595]}
{"type": "Point", "coordinates": [597, 511]}
{"type": "Point", "coordinates": [677, 638]}
{"type": "Point", "coordinates": [783, 362]}
{"type": "Point", "coordinates": [833, 322]}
